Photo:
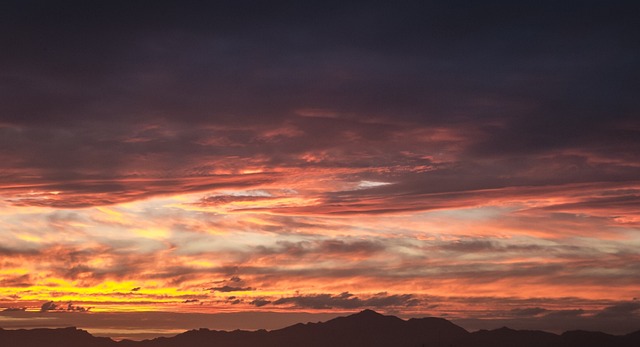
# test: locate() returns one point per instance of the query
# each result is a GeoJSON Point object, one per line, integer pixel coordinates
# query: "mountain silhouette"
{"type": "Point", "coordinates": [64, 337]}
{"type": "Point", "coordinates": [364, 329]}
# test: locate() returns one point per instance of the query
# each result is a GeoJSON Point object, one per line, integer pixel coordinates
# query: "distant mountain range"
{"type": "Point", "coordinates": [364, 329]}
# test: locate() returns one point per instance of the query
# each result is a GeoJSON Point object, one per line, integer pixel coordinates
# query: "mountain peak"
{"type": "Point", "coordinates": [371, 316]}
{"type": "Point", "coordinates": [365, 318]}
{"type": "Point", "coordinates": [368, 313]}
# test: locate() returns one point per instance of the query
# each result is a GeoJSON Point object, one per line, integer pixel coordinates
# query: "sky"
{"type": "Point", "coordinates": [247, 164]}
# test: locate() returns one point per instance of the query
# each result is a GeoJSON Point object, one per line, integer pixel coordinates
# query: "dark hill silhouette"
{"type": "Point", "coordinates": [364, 329]}
{"type": "Point", "coordinates": [65, 337]}
{"type": "Point", "coordinates": [509, 337]}
{"type": "Point", "coordinates": [505, 337]}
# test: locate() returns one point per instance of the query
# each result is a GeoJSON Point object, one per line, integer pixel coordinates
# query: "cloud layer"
{"type": "Point", "coordinates": [417, 158]}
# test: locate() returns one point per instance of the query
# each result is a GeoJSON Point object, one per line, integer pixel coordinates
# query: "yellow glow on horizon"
{"type": "Point", "coordinates": [285, 241]}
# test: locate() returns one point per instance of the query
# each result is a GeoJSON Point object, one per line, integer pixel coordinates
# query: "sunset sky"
{"type": "Point", "coordinates": [272, 162]}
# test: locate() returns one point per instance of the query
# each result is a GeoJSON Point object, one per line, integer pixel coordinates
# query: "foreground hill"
{"type": "Point", "coordinates": [366, 329]}
{"type": "Point", "coordinates": [65, 337]}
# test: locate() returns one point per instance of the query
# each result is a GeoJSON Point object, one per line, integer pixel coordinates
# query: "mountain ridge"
{"type": "Point", "coordinates": [366, 328]}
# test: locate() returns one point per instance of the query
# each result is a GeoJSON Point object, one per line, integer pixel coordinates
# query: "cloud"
{"type": "Point", "coordinates": [618, 317]}
{"type": "Point", "coordinates": [528, 312]}
{"type": "Point", "coordinates": [260, 302]}
{"type": "Point", "coordinates": [471, 246]}
{"type": "Point", "coordinates": [227, 289]}
{"type": "Point", "coordinates": [48, 306]}
{"type": "Point", "coordinates": [52, 306]}
{"type": "Point", "coordinates": [16, 281]}
{"type": "Point", "coordinates": [348, 301]}
{"type": "Point", "coordinates": [386, 117]}
{"type": "Point", "coordinates": [74, 308]}
{"type": "Point", "coordinates": [13, 251]}
{"type": "Point", "coordinates": [227, 199]}
{"type": "Point", "coordinates": [335, 247]}
{"type": "Point", "coordinates": [566, 313]}
{"type": "Point", "coordinates": [629, 309]}
{"type": "Point", "coordinates": [233, 284]}
{"type": "Point", "coordinates": [71, 192]}
{"type": "Point", "coordinates": [228, 142]}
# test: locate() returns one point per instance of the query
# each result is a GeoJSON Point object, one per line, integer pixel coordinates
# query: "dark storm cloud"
{"type": "Point", "coordinates": [227, 289]}
{"type": "Point", "coordinates": [319, 51]}
{"type": "Point", "coordinates": [85, 86]}
{"type": "Point", "coordinates": [629, 309]}
{"type": "Point", "coordinates": [615, 318]}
